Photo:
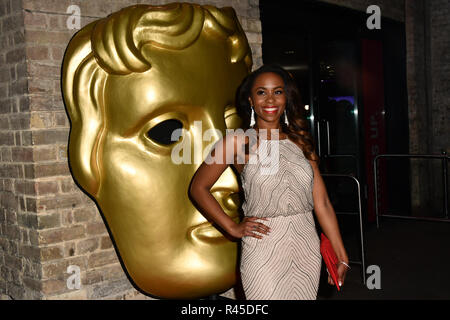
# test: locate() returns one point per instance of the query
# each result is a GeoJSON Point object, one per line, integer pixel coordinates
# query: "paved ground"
{"type": "Point", "coordinates": [413, 256]}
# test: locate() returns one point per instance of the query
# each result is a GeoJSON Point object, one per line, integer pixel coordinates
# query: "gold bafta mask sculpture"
{"type": "Point", "coordinates": [127, 79]}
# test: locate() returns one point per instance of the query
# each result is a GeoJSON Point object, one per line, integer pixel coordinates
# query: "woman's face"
{"type": "Point", "coordinates": [268, 98]}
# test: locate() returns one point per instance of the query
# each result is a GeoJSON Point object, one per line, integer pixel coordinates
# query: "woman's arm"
{"type": "Point", "coordinates": [328, 221]}
{"type": "Point", "coordinates": [206, 176]}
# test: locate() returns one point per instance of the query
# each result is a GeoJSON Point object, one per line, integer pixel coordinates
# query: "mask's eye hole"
{"type": "Point", "coordinates": [162, 132]}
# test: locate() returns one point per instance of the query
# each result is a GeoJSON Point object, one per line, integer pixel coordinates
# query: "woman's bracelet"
{"type": "Point", "coordinates": [345, 264]}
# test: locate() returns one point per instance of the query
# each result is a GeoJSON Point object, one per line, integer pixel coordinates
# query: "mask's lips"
{"type": "Point", "coordinates": [206, 232]}
{"type": "Point", "coordinates": [229, 200]}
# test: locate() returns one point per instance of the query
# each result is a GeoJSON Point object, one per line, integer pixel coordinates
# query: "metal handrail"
{"type": "Point", "coordinates": [340, 156]}
{"type": "Point", "coordinates": [444, 158]}
{"type": "Point", "coordinates": [363, 259]}
{"type": "Point", "coordinates": [352, 156]}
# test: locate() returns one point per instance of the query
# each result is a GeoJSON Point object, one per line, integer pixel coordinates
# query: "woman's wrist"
{"type": "Point", "coordinates": [343, 259]}
{"type": "Point", "coordinates": [342, 255]}
{"type": "Point", "coordinates": [229, 225]}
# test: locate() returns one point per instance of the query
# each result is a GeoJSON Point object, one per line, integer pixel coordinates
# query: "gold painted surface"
{"type": "Point", "coordinates": [122, 76]}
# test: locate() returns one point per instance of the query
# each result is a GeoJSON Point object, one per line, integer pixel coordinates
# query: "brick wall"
{"type": "Point", "coordinates": [47, 222]}
{"type": "Point", "coordinates": [417, 102]}
{"type": "Point", "coordinates": [438, 97]}
{"type": "Point", "coordinates": [427, 30]}
{"type": "Point", "coordinates": [19, 252]}
{"type": "Point", "coordinates": [440, 73]}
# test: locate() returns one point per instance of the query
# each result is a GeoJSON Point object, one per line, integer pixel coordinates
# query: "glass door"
{"type": "Point", "coordinates": [335, 118]}
{"type": "Point", "coordinates": [336, 107]}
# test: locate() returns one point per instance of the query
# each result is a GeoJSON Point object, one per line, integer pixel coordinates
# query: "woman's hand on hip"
{"type": "Point", "coordinates": [249, 227]}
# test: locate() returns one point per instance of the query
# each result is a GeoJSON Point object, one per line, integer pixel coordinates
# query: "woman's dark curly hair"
{"type": "Point", "coordinates": [298, 128]}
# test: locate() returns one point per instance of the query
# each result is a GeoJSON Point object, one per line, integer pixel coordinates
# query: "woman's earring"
{"type": "Point", "coordinates": [286, 118]}
{"type": "Point", "coordinates": [252, 118]}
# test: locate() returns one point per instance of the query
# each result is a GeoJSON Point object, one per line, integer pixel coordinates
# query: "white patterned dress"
{"type": "Point", "coordinates": [284, 265]}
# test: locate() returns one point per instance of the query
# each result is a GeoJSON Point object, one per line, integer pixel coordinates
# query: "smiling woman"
{"type": "Point", "coordinates": [293, 120]}
{"type": "Point", "coordinates": [268, 99]}
{"type": "Point", "coordinates": [280, 257]}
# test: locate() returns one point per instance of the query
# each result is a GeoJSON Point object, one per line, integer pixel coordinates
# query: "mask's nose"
{"type": "Point", "coordinates": [226, 188]}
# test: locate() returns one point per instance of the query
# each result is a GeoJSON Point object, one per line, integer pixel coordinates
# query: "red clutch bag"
{"type": "Point", "coordinates": [329, 256]}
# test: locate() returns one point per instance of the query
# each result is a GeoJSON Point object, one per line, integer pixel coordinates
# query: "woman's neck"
{"type": "Point", "coordinates": [268, 131]}
{"type": "Point", "coordinates": [268, 125]}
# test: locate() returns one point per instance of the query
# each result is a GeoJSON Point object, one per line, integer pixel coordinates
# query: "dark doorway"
{"type": "Point", "coordinates": [330, 52]}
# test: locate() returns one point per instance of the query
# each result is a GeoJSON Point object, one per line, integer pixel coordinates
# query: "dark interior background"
{"type": "Point", "coordinates": [320, 44]}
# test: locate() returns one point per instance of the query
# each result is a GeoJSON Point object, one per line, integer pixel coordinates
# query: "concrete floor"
{"type": "Point", "coordinates": [413, 257]}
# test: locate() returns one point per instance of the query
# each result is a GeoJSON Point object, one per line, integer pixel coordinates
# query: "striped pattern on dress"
{"type": "Point", "coordinates": [286, 263]}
